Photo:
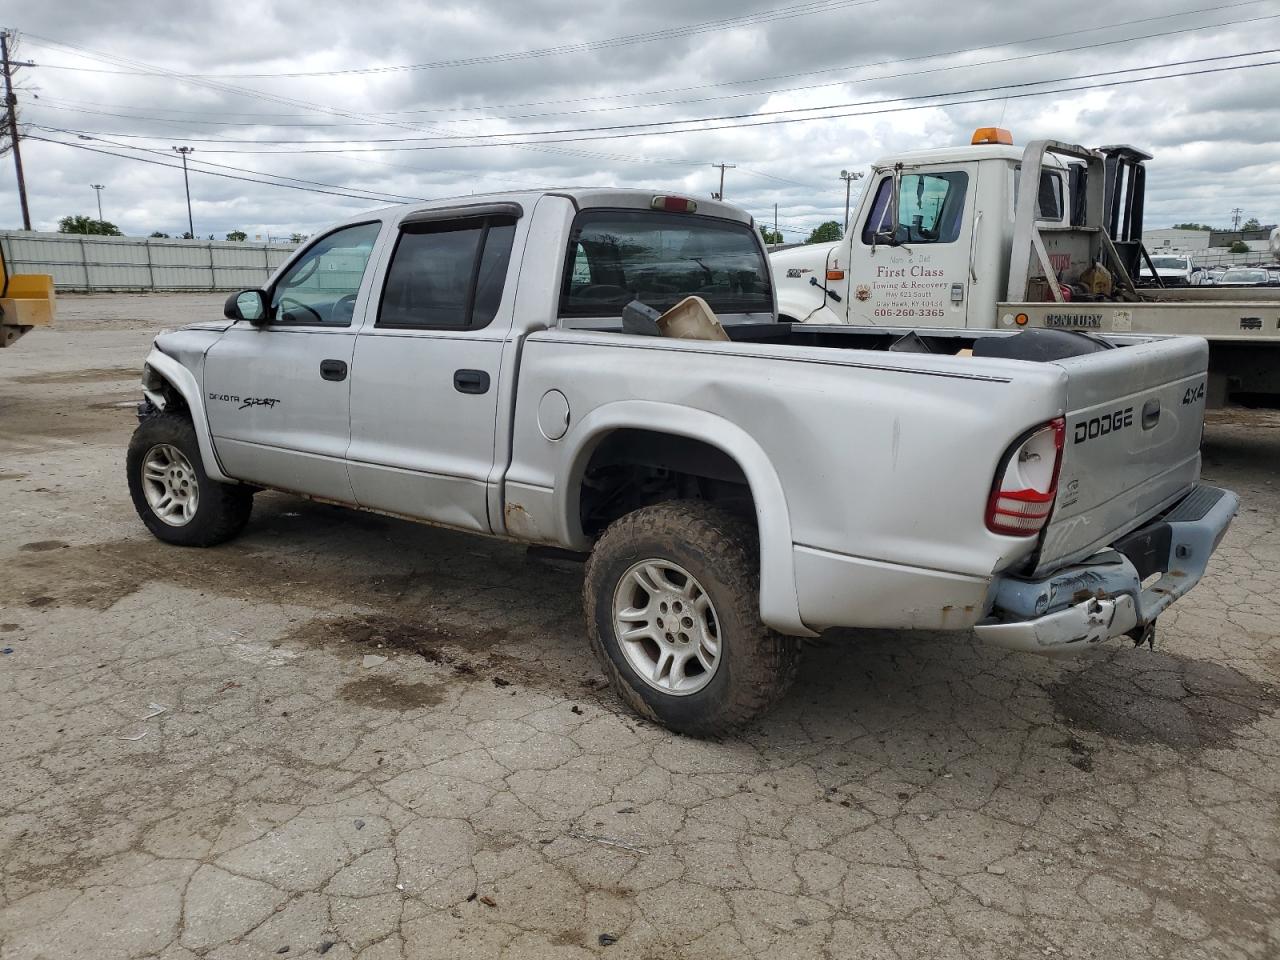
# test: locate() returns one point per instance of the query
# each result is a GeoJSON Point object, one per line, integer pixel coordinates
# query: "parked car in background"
{"type": "Point", "coordinates": [1172, 271]}
{"type": "Point", "coordinates": [1244, 277]}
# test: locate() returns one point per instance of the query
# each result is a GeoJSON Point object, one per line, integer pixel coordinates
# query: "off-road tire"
{"type": "Point", "coordinates": [222, 509]}
{"type": "Point", "coordinates": [721, 551]}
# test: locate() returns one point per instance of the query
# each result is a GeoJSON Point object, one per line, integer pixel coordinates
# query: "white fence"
{"type": "Point", "coordinates": [88, 263]}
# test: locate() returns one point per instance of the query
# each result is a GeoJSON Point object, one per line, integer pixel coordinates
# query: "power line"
{"type": "Point", "coordinates": [620, 135]}
{"type": "Point", "coordinates": [670, 33]}
{"type": "Point", "coordinates": [781, 116]}
{"type": "Point", "coordinates": [901, 60]}
{"type": "Point", "coordinates": [306, 105]}
{"type": "Point", "coordinates": [883, 76]}
{"type": "Point", "coordinates": [210, 173]}
{"type": "Point", "coordinates": [648, 106]}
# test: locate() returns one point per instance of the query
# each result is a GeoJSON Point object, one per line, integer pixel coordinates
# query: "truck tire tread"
{"type": "Point", "coordinates": [223, 508]}
{"type": "Point", "coordinates": [761, 663]}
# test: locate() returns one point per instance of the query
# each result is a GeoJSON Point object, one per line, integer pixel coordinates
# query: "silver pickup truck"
{"type": "Point", "coordinates": [465, 363]}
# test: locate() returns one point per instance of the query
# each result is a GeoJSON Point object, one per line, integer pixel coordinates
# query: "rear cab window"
{"type": "Point", "coordinates": [1050, 198]}
{"type": "Point", "coordinates": [659, 258]}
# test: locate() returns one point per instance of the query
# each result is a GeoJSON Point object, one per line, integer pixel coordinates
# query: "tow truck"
{"type": "Point", "coordinates": [991, 235]}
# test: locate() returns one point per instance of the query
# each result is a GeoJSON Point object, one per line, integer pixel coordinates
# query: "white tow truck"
{"type": "Point", "coordinates": [996, 236]}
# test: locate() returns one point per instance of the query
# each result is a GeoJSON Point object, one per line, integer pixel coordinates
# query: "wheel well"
{"type": "Point", "coordinates": [156, 382]}
{"type": "Point", "coordinates": [634, 468]}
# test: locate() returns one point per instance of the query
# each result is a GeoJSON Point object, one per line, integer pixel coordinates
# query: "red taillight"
{"type": "Point", "coordinates": [1024, 489]}
{"type": "Point", "coordinates": [674, 204]}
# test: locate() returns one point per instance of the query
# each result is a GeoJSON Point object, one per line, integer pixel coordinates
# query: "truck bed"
{"type": "Point", "coordinates": [942, 341]}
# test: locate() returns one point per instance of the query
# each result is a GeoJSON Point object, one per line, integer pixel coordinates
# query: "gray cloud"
{"type": "Point", "coordinates": [1213, 135]}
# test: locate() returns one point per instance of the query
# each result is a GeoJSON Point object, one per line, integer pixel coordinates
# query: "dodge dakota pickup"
{"type": "Point", "coordinates": [468, 363]}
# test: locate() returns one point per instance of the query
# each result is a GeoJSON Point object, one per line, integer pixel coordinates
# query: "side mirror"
{"type": "Point", "coordinates": [248, 305]}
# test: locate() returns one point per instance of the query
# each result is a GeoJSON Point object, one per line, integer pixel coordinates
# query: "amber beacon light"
{"type": "Point", "coordinates": [992, 135]}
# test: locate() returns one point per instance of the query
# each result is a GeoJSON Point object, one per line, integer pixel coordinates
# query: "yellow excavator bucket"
{"type": "Point", "coordinates": [26, 300]}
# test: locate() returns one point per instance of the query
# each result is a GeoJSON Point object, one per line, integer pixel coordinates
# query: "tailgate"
{"type": "Point", "coordinates": [1132, 447]}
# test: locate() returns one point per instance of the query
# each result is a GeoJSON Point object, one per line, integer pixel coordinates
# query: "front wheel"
{"type": "Point", "coordinates": [173, 495]}
{"type": "Point", "coordinates": [671, 596]}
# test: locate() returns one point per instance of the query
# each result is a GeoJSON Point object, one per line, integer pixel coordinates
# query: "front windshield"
{"type": "Point", "coordinates": [1244, 276]}
{"type": "Point", "coordinates": [1169, 263]}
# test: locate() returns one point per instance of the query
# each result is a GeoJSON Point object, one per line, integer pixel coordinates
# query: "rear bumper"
{"type": "Point", "coordinates": [1078, 607]}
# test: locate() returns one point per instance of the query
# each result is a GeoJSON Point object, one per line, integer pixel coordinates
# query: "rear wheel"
{"type": "Point", "coordinates": [672, 602]}
{"type": "Point", "coordinates": [173, 495]}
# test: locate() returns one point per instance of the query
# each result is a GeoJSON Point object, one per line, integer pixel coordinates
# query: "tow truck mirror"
{"type": "Point", "coordinates": [248, 305]}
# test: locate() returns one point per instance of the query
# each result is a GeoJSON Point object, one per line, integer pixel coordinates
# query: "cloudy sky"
{"type": "Point", "coordinates": [396, 100]}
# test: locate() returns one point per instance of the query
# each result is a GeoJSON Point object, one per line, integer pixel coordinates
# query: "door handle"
{"type": "Point", "coordinates": [1150, 414]}
{"type": "Point", "coordinates": [333, 369]}
{"type": "Point", "coordinates": [471, 381]}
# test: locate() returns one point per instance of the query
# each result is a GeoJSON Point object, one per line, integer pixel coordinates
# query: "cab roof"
{"type": "Point", "coordinates": [626, 198]}
{"type": "Point", "coordinates": [963, 154]}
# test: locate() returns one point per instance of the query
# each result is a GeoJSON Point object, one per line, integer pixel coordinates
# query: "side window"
{"type": "Point", "coordinates": [930, 209]}
{"type": "Point", "coordinates": [1050, 199]}
{"type": "Point", "coordinates": [320, 289]}
{"type": "Point", "coordinates": [448, 275]}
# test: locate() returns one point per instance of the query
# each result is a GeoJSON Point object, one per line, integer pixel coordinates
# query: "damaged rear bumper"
{"type": "Point", "coordinates": [1080, 606]}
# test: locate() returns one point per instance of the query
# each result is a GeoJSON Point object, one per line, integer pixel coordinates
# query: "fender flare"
{"type": "Point", "coordinates": [779, 604]}
{"type": "Point", "coordinates": [184, 382]}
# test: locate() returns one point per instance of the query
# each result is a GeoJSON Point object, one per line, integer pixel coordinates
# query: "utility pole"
{"type": "Point", "coordinates": [848, 179]}
{"type": "Point", "coordinates": [191, 227]}
{"type": "Point", "coordinates": [777, 237]}
{"type": "Point", "coordinates": [11, 111]}
{"type": "Point", "coordinates": [723, 167]}
{"type": "Point", "coordinates": [97, 189]}
{"type": "Point", "coordinates": [1235, 218]}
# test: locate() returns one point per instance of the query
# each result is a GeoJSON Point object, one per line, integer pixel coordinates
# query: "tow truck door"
{"type": "Point", "coordinates": [919, 272]}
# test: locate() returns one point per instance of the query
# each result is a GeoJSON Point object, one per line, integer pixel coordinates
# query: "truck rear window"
{"type": "Point", "coordinates": [616, 256]}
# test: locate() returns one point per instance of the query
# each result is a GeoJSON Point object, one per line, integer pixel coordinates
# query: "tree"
{"type": "Point", "coordinates": [770, 236]}
{"type": "Point", "coordinates": [826, 232]}
{"type": "Point", "coordinates": [1239, 247]}
{"type": "Point", "coordinates": [1251, 224]}
{"type": "Point", "coordinates": [87, 225]}
{"type": "Point", "coordinates": [186, 235]}
{"type": "Point", "coordinates": [297, 237]}
{"type": "Point", "coordinates": [239, 236]}
{"type": "Point", "coordinates": [1191, 226]}
{"type": "Point", "coordinates": [159, 235]}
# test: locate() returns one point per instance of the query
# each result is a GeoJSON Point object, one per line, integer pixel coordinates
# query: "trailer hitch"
{"type": "Point", "coordinates": [1144, 633]}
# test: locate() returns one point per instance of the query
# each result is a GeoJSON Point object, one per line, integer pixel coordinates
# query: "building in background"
{"type": "Point", "coordinates": [1171, 241]}
{"type": "Point", "coordinates": [1211, 248]}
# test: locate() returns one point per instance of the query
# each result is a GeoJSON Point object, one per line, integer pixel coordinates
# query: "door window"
{"type": "Point", "coordinates": [448, 275]}
{"type": "Point", "coordinates": [930, 209]}
{"type": "Point", "coordinates": [320, 288]}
